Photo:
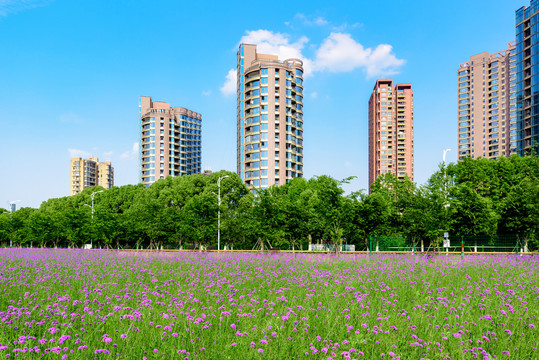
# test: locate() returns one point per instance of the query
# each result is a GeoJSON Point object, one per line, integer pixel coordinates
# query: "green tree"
{"type": "Point", "coordinates": [520, 212]}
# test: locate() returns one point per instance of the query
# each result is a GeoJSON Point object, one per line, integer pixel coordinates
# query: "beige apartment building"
{"type": "Point", "coordinates": [170, 139]}
{"type": "Point", "coordinates": [89, 173]}
{"type": "Point", "coordinates": [487, 105]}
{"type": "Point", "coordinates": [391, 130]}
{"type": "Point", "coordinates": [269, 118]}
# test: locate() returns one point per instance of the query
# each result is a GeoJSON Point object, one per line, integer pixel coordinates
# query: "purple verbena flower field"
{"type": "Point", "coordinates": [76, 304]}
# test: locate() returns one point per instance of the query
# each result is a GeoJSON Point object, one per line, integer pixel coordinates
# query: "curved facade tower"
{"type": "Point", "coordinates": [269, 119]}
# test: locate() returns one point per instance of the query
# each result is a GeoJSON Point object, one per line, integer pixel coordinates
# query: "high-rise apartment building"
{"type": "Point", "coordinates": [527, 71]}
{"type": "Point", "coordinates": [391, 130]}
{"type": "Point", "coordinates": [88, 173]}
{"type": "Point", "coordinates": [170, 141]}
{"type": "Point", "coordinates": [487, 105]}
{"type": "Point", "coordinates": [270, 118]}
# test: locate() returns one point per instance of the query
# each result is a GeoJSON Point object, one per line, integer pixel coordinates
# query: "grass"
{"type": "Point", "coordinates": [77, 304]}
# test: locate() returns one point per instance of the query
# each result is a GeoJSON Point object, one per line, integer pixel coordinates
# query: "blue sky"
{"type": "Point", "coordinates": [71, 73]}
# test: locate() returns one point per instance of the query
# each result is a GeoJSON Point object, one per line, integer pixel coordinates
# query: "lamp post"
{"type": "Point", "coordinates": [446, 205]}
{"type": "Point", "coordinates": [219, 211]}
{"type": "Point", "coordinates": [445, 184]}
{"type": "Point", "coordinates": [92, 207]}
{"type": "Point", "coordinates": [11, 207]}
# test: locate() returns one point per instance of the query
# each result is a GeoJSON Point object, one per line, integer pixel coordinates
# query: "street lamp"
{"type": "Point", "coordinates": [445, 183]}
{"type": "Point", "coordinates": [446, 205]}
{"type": "Point", "coordinates": [445, 152]}
{"type": "Point", "coordinates": [92, 207]}
{"type": "Point", "coordinates": [11, 209]}
{"type": "Point", "coordinates": [219, 211]}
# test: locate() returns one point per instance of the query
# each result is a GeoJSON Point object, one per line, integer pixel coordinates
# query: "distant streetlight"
{"type": "Point", "coordinates": [92, 196]}
{"type": "Point", "coordinates": [92, 207]}
{"type": "Point", "coordinates": [446, 205]}
{"type": "Point", "coordinates": [445, 152]}
{"type": "Point", "coordinates": [219, 212]}
{"type": "Point", "coordinates": [11, 209]}
{"type": "Point", "coordinates": [445, 182]}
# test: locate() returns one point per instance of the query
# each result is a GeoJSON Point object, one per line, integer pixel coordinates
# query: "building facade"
{"type": "Point", "coordinates": [487, 105]}
{"type": "Point", "coordinates": [170, 141]}
{"type": "Point", "coordinates": [391, 130]}
{"type": "Point", "coordinates": [527, 77]}
{"type": "Point", "coordinates": [269, 118]}
{"type": "Point", "coordinates": [89, 173]}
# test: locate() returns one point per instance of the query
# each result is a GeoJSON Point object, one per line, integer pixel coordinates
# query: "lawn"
{"type": "Point", "coordinates": [91, 304]}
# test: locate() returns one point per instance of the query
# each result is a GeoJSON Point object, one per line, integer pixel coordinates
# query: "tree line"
{"type": "Point", "coordinates": [482, 198]}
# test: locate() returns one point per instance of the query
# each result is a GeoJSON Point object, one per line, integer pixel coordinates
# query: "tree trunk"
{"type": "Point", "coordinates": [422, 245]}
{"type": "Point", "coordinates": [310, 242]}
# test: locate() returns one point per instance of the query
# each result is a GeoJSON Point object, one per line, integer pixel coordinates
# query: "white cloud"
{"type": "Point", "coordinates": [229, 87]}
{"type": "Point", "coordinates": [14, 6]}
{"type": "Point", "coordinates": [320, 21]}
{"type": "Point", "coordinates": [306, 20]}
{"type": "Point", "coordinates": [131, 154]}
{"type": "Point", "coordinates": [345, 26]}
{"type": "Point", "coordinates": [278, 44]}
{"type": "Point", "coordinates": [314, 94]}
{"type": "Point", "coordinates": [206, 92]}
{"type": "Point", "coordinates": [78, 153]}
{"type": "Point", "coordinates": [340, 53]}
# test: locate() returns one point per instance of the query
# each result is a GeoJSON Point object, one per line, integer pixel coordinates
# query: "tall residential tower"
{"type": "Point", "coordinates": [89, 173]}
{"type": "Point", "coordinates": [487, 105]}
{"type": "Point", "coordinates": [391, 130]}
{"type": "Point", "coordinates": [270, 118]}
{"type": "Point", "coordinates": [527, 70]}
{"type": "Point", "coordinates": [170, 141]}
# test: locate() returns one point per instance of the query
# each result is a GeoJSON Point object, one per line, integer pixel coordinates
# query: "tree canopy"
{"type": "Point", "coordinates": [470, 198]}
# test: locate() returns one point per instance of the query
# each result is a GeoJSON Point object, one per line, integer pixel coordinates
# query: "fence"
{"type": "Point", "coordinates": [330, 247]}
{"type": "Point", "coordinates": [460, 244]}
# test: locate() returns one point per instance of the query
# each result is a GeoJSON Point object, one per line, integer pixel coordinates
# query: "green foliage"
{"type": "Point", "coordinates": [473, 198]}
